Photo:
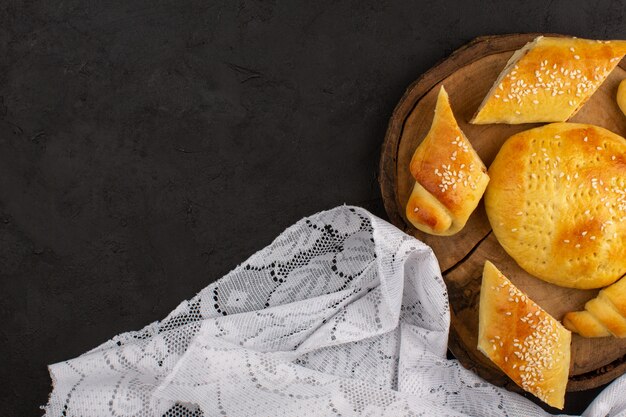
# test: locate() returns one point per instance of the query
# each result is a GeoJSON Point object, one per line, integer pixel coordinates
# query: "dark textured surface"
{"type": "Point", "coordinates": [147, 147]}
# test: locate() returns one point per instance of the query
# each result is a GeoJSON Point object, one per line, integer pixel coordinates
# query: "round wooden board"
{"type": "Point", "coordinates": [467, 76]}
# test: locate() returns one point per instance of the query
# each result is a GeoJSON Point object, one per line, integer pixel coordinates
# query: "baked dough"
{"type": "Point", "coordinates": [557, 203]}
{"type": "Point", "coordinates": [450, 177]}
{"type": "Point", "coordinates": [604, 315]}
{"type": "Point", "coordinates": [549, 80]}
{"type": "Point", "coordinates": [522, 339]}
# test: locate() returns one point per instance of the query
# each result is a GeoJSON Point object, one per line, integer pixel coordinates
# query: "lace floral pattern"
{"type": "Point", "coordinates": [343, 314]}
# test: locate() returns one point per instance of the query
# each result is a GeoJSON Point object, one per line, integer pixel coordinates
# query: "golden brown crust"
{"type": "Point", "coordinates": [523, 340]}
{"type": "Point", "coordinates": [557, 203]}
{"type": "Point", "coordinates": [551, 79]}
{"type": "Point", "coordinates": [616, 294]}
{"type": "Point", "coordinates": [448, 169]}
{"type": "Point", "coordinates": [585, 324]}
{"type": "Point", "coordinates": [424, 209]}
{"type": "Point", "coordinates": [603, 316]}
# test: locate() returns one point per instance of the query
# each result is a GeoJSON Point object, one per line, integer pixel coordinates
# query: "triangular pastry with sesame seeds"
{"type": "Point", "coordinates": [450, 176]}
{"type": "Point", "coordinates": [522, 339]}
{"type": "Point", "coordinates": [603, 316]}
{"type": "Point", "coordinates": [548, 80]}
{"type": "Point", "coordinates": [557, 203]}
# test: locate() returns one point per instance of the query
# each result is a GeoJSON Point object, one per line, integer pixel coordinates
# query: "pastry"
{"type": "Point", "coordinates": [523, 340]}
{"type": "Point", "coordinates": [450, 177]}
{"type": "Point", "coordinates": [603, 316]}
{"type": "Point", "coordinates": [549, 80]}
{"type": "Point", "coordinates": [557, 203]}
{"type": "Point", "coordinates": [621, 96]}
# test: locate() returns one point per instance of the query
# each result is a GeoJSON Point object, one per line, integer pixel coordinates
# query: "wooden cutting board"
{"type": "Point", "coordinates": [467, 76]}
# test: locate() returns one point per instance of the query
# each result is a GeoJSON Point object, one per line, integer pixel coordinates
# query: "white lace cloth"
{"type": "Point", "coordinates": [342, 315]}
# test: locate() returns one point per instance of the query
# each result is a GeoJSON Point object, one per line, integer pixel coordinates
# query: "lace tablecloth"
{"type": "Point", "coordinates": [342, 315]}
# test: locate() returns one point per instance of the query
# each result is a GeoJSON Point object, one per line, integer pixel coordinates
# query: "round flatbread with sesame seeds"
{"type": "Point", "coordinates": [557, 203]}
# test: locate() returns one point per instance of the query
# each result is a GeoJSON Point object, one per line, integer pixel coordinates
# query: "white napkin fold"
{"type": "Point", "coordinates": [343, 314]}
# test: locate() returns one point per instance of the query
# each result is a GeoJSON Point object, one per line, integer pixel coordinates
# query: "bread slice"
{"type": "Point", "coordinates": [548, 80]}
{"type": "Point", "coordinates": [450, 177]}
{"type": "Point", "coordinates": [522, 339]}
{"type": "Point", "coordinates": [604, 315]}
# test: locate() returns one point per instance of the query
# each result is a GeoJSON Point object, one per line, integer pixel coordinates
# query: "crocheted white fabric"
{"type": "Point", "coordinates": [342, 315]}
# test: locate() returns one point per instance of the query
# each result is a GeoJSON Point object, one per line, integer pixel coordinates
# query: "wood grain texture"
{"type": "Point", "coordinates": [467, 76]}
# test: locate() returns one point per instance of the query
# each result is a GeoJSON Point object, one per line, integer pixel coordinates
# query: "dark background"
{"type": "Point", "coordinates": [148, 147]}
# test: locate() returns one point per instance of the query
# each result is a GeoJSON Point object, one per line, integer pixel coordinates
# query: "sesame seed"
{"type": "Point", "coordinates": [416, 209]}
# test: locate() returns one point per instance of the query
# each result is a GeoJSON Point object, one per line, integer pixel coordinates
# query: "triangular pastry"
{"type": "Point", "coordinates": [522, 339]}
{"type": "Point", "coordinates": [549, 80]}
{"type": "Point", "coordinates": [450, 177]}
